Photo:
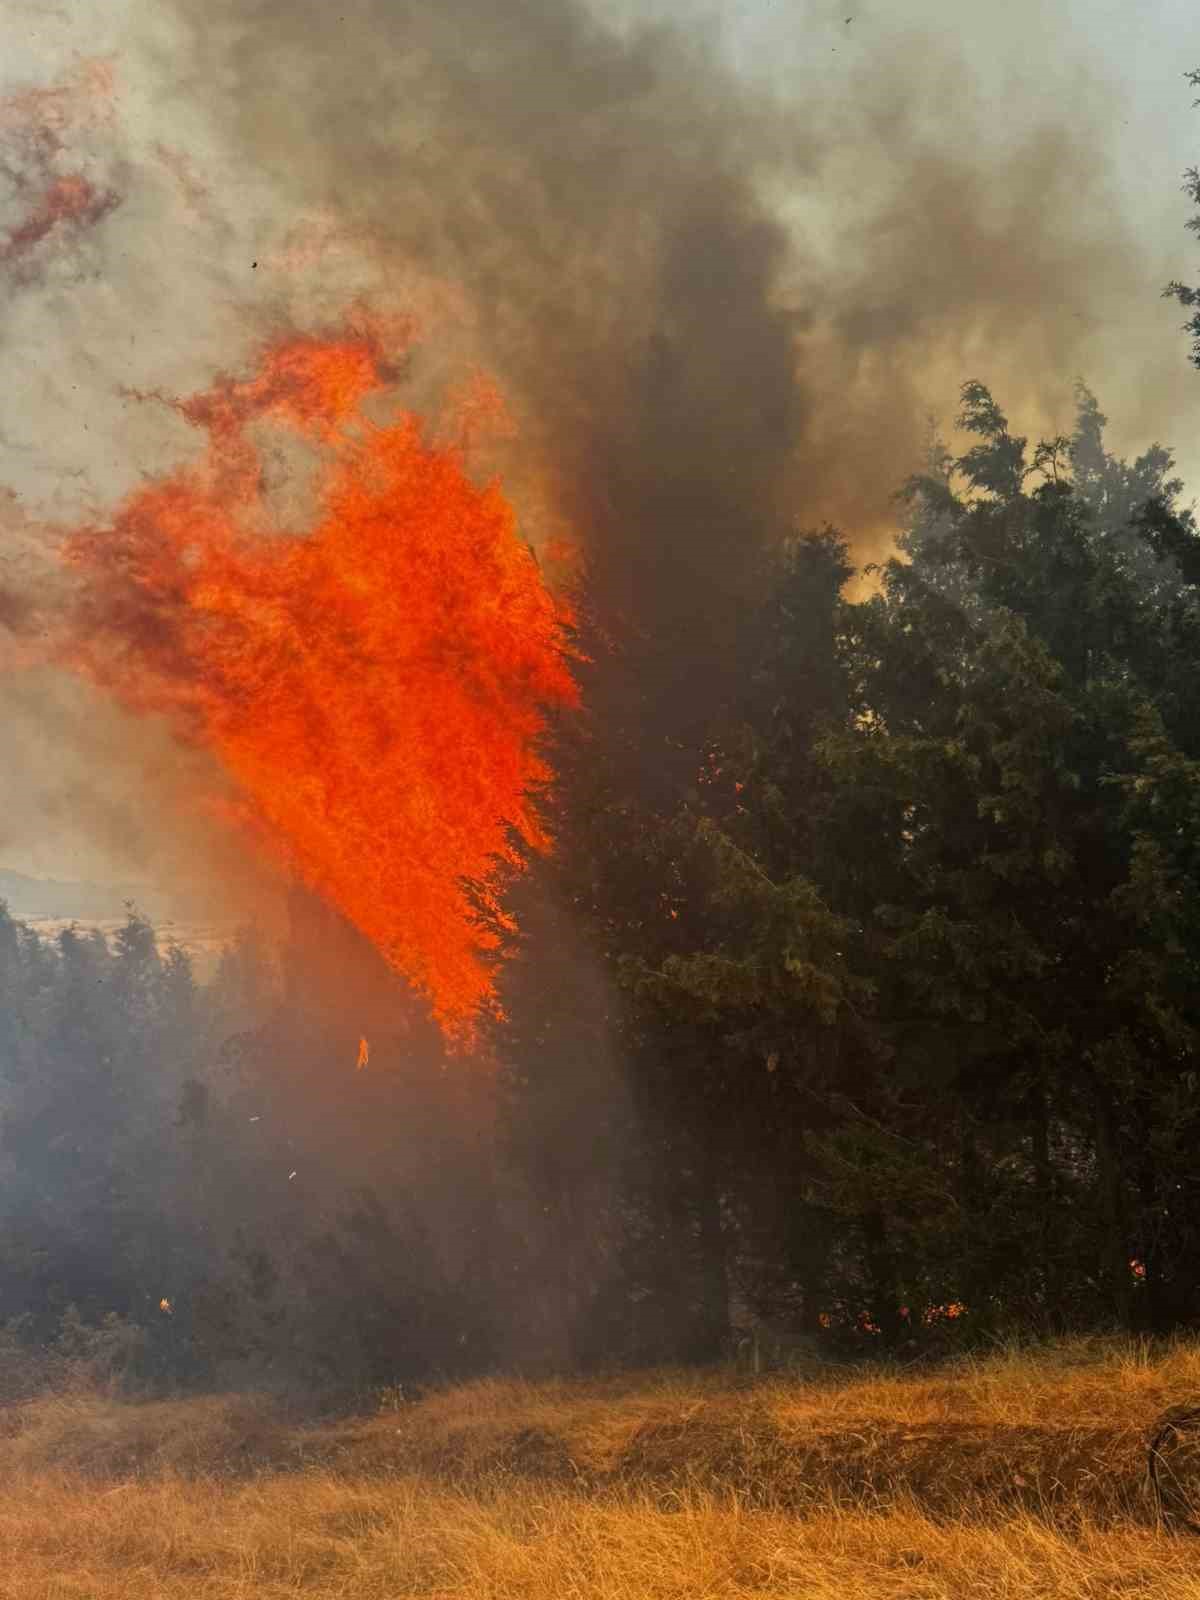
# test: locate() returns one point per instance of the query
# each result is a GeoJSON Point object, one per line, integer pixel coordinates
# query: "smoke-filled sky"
{"type": "Point", "coordinates": [723, 261]}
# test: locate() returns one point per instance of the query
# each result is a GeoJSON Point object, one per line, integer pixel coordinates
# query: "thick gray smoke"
{"type": "Point", "coordinates": [717, 312]}
{"type": "Point", "coordinates": [719, 307]}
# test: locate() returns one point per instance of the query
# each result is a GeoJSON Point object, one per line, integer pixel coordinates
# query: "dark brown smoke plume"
{"type": "Point", "coordinates": [718, 313]}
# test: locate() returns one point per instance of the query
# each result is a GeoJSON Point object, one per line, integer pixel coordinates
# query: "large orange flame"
{"type": "Point", "coordinates": [376, 685]}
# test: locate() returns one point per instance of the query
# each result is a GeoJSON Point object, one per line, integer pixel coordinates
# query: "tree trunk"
{"type": "Point", "coordinates": [1114, 1245]}
{"type": "Point", "coordinates": [881, 1273]}
{"type": "Point", "coordinates": [973, 1274]}
{"type": "Point", "coordinates": [1155, 1312]}
{"type": "Point", "coordinates": [713, 1329]}
{"type": "Point", "coordinates": [1044, 1186]}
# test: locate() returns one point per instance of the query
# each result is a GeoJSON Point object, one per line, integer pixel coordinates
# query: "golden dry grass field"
{"type": "Point", "coordinates": [1020, 1475]}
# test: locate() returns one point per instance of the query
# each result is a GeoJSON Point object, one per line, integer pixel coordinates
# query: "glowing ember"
{"type": "Point", "coordinates": [375, 686]}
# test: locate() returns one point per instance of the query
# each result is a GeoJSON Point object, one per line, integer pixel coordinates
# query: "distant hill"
{"type": "Point", "coordinates": [89, 902]}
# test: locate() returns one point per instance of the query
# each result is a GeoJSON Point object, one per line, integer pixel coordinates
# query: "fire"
{"type": "Point", "coordinates": [376, 685]}
{"type": "Point", "coordinates": [364, 1055]}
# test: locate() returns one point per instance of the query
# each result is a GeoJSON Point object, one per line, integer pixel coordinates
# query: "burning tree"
{"type": "Point", "coordinates": [375, 685]}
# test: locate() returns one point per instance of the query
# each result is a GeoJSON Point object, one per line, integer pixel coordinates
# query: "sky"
{"type": "Point", "coordinates": [164, 292]}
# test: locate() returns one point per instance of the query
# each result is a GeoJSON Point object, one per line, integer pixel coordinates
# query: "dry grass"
{"type": "Point", "coordinates": [665, 1486]}
{"type": "Point", "coordinates": [323, 1536]}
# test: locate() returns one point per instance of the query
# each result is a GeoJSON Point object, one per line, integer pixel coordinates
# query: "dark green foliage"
{"type": "Point", "coordinates": [907, 948]}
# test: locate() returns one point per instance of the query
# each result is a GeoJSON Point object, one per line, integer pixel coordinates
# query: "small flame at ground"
{"type": "Point", "coordinates": [364, 1054]}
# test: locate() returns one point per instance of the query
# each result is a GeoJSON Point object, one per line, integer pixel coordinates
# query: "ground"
{"type": "Point", "coordinates": [1021, 1474]}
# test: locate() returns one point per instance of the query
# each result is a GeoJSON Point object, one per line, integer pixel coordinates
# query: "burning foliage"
{"type": "Point", "coordinates": [376, 686]}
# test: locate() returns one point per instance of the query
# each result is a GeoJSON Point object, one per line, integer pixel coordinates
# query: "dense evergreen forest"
{"type": "Point", "coordinates": [857, 1003]}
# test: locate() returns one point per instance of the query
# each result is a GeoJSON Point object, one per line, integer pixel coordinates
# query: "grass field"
{"type": "Point", "coordinates": [1020, 1475]}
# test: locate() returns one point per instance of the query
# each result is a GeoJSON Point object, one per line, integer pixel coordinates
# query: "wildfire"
{"type": "Point", "coordinates": [375, 685]}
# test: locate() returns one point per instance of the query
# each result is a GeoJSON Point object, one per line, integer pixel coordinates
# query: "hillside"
{"type": "Point", "coordinates": [1018, 1475]}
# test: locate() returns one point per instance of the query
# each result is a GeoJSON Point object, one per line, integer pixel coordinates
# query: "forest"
{"type": "Point", "coordinates": [855, 1008]}
{"type": "Point", "coordinates": [871, 1021]}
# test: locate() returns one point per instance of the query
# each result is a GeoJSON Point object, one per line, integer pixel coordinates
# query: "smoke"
{"type": "Point", "coordinates": [720, 281]}
{"type": "Point", "coordinates": [717, 309]}
{"type": "Point", "coordinates": [720, 301]}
